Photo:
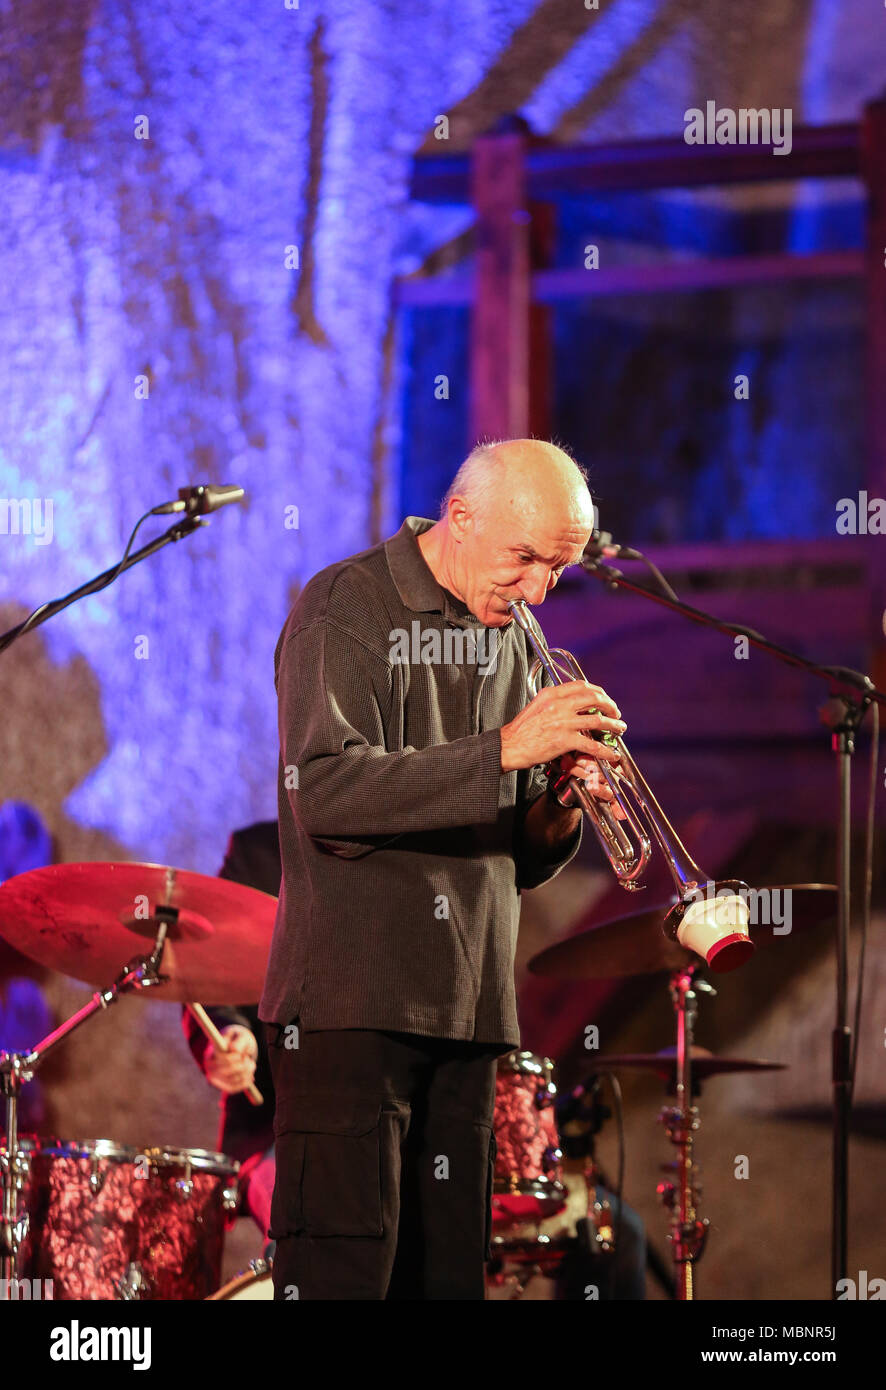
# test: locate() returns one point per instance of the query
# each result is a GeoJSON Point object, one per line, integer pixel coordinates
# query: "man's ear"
{"type": "Point", "coordinates": [460, 519]}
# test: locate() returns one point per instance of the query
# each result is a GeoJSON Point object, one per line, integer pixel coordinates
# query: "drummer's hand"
{"type": "Point", "coordinates": [234, 1070]}
{"type": "Point", "coordinates": [588, 771]}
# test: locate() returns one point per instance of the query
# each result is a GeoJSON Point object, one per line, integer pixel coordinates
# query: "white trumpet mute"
{"type": "Point", "coordinates": [717, 930]}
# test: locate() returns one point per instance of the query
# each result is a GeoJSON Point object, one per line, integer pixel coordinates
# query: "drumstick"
{"type": "Point", "coordinates": [201, 1017]}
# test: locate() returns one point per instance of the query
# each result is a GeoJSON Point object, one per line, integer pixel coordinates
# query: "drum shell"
{"type": "Point", "coordinates": [107, 1221]}
{"type": "Point", "coordinates": [528, 1179]}
{"type": "Point", "coordinates": [252, 1285]}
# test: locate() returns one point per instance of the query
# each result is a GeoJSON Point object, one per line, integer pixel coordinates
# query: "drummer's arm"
{"type": "Point", "coordinates": [222, 1016]}
{"type": "Point", "coordinates": [238, 867]}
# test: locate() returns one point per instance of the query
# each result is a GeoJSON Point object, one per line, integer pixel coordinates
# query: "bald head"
{"type": "Point", "coordinates": [517, 514]}
{"type": "Point", "coordinates": [517, 475]}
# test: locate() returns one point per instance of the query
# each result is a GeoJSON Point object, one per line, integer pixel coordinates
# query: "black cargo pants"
{"type": "Point", "coordinates": [385, 1153]}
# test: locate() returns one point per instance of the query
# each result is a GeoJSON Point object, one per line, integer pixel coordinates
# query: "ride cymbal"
{"type": "Point", "coordinates": [89, 920]}
{"type": "Point", "coordinates": [704, 1063]}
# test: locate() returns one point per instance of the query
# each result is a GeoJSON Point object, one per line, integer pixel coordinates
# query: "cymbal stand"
{"type": "Point", "coordinates": [17, 1068]}
{"type": "Point", "coordinates": [688, 1232]}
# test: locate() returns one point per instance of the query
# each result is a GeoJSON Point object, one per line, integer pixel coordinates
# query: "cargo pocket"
{"type": "Point", "coordinates": [490, 1188]}
{"type": "Point", "coordinates": [329, 1179]}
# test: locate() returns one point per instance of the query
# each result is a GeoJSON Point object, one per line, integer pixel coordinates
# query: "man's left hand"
{"type": "Point", "coordinates": [587, 770]}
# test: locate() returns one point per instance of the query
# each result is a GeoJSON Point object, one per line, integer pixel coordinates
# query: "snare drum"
{"type": "Point", "coordinates": [527, 1183]}
{"type": "Point", "coordinates": [254, 1284]}
{"type": "Point", "coordinates": [109, 1222]}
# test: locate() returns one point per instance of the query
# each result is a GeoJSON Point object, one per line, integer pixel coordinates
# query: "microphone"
{"type": "Point", "coordinates": [580, 1115]}
{"type": "Point", "coordinates": [197, 501]}
{"type": "Point", "coordinates": [601, 545]}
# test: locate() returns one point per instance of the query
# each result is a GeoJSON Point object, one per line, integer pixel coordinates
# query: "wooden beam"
{"type": "Point", "coordinates": [793, 556]}
{"type": "Point", "coordinates": [542, 246]}
{"type": "Point", "coordinates": [699, 273]}
{"type": "Point", "coordinates": [499, 380]}
{"type": "Point", "coordinates": [827, 151]}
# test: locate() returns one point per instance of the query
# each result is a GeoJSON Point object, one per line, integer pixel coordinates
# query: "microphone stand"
{"type": "Point", "coordinates": [175, 533]}
{"type": "Point", "coordinates": [16, 1068]}
{"type": "Point", "coordinates": [142, 972]}
{"type": "Point", "coordinates": [850, 695]}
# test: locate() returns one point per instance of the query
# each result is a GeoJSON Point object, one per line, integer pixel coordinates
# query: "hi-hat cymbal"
{"type": "Point", "coordinates": [703, 1063]}
{"type": "Point", "coordinates": [636, 944]}
{"type": "Point", "coordinates": [89, 920]}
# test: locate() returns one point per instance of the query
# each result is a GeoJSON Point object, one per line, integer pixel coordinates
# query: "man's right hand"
{"type": "Point", "coordinates": [552, 724]}
{"type": "Point", "coordinates": [233, 1070]}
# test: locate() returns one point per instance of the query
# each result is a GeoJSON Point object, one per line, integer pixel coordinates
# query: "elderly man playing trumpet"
{"type": "Point", "coordinates": [413, 810]}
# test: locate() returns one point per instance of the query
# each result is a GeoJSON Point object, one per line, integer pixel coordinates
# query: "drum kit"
{"type": "Point", "coordinates": [106, 1221]}
{"type": "Point", "coordinates": [98, 1219]}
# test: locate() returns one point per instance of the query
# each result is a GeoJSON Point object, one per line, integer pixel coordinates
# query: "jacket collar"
{"type": "Point", "coordinates": [414, 582]}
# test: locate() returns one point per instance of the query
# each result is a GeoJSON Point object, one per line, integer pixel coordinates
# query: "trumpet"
{"type": "Point", "coordinates": [627, 841]}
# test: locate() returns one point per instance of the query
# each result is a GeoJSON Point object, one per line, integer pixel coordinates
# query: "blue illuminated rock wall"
{"type": "Point", "coordinates": [163, 260]}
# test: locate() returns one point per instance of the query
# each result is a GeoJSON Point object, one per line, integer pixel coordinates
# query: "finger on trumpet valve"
{"type": "Point", "coordinates": [587, 771]}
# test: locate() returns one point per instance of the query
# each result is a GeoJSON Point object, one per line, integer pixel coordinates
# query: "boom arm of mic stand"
{"type": "Point", "coordinates": [177, 532]}
{"type": "Point", "coordinates": [843, 683]}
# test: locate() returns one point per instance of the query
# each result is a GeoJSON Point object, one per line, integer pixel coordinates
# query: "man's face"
{"type": "Point", "coordinates": [508, 556]}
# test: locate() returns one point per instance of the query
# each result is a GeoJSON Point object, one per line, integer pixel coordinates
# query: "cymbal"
{"type": "Point", "coordinates": [636, 945]}
{"type": "Point", "coordinates": [704, 1062]}
{"type": "Point", "coordinates": [89, 920]}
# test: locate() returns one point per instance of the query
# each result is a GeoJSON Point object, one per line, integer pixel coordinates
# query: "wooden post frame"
{"type": "Point", "coordinates": [499, 367]}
